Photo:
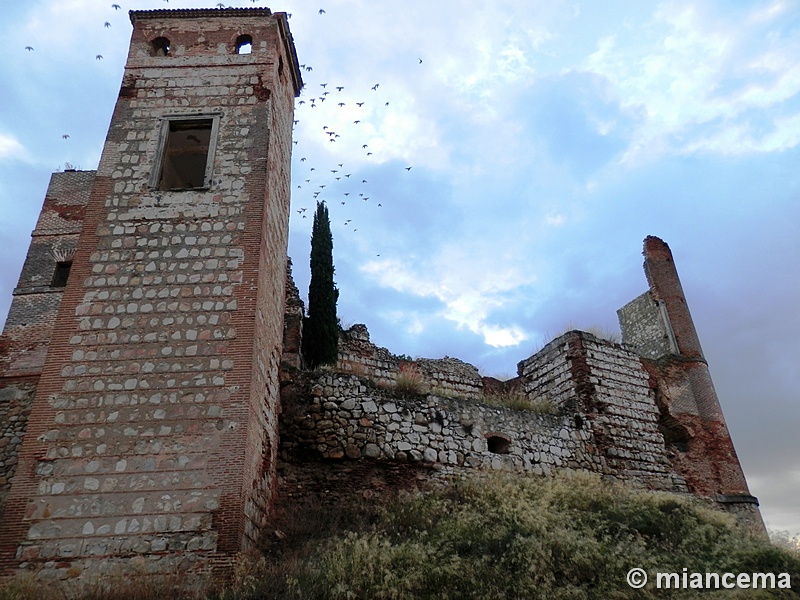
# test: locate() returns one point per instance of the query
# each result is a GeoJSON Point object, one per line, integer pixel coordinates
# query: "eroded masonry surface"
{"type": "Point", "coordinates": [153, 401]}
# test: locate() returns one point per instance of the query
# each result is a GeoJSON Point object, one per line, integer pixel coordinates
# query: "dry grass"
{"type": "Point", "coordinates": [519, 401]}
{"type": "Point", "coordinates": [409, 380]}
{"type": "Point", "coordinates": [561, 538]}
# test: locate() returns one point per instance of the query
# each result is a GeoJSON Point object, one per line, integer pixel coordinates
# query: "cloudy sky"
{"type": "Point", "coordinates": [545, 140]}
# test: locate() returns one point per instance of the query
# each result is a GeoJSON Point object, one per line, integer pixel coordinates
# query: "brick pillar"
{"type": "Point", "coordinates": [665, 286]}
{"type": "Point", "coordinates": [692, 420]}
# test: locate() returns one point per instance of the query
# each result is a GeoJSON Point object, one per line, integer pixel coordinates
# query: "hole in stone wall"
{"type": "Point", "coordinates": [244, 44]}
{"type": "Point", "coordinates": [498, 444]}
{"type": "Point", "coordinates": [578, 422]}
{"type": "Point", "coordinates": [160, 46]}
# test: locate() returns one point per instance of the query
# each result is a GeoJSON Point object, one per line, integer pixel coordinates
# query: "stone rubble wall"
{"type": "Point", "coordinates": [604, 420]}
{"type": "Point", "coordinates": [627, 417]}
{"type": "Point", "coordinates": [346, 418]}
{"type": "Point", "coordinates": [15, 407]}
{"type": "Point", "coordinates": [444, 376]}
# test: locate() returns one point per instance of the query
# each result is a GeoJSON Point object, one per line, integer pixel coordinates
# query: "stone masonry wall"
{"type": "Point", "coordinates": [644, 329]}
{"type": "Point", "coordinates": [16, 397]}
{"type": "Point", "coordinates": [448, 376]}
{"type": "Point", "coordinates": [152, 433]}
{"type": "Point", "coordinates": [27, 331]}
{"type": "Point", "coordinates": [605, 420]}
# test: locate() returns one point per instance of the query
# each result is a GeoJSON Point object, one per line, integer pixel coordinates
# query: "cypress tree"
{"type": "Point", "coordinates": [321, 327]}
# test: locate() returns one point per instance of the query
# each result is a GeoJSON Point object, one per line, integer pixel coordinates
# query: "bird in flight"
{"type": "Point", "coordinates": [116, 6]}
{"type": "Point", "coordinates": [29, 48]}
{"type": "Point", "coordinates": [322, 11]}
{"type": "Point", "coordinates": [65, 136]}
{"type": "Point", "coordinates": [359, 104]}
{"type": "Point", "coordinates": [339, 88]}
{"type": "Point", "coordinates": [420, 61]}
{"type": "Point", "coordinates": [107, 24]}
{"type": "Point", "coordinates": [303, 159]}
{"type": "Point", "coordinates": [99, 57]}
{"type": "Point", "coordinates": [375, 87]}
{"type": "Point", "coordinates": [341, 103]}
{"type": "Point", "coordinates": [323, 85]}
{"type": "Point", "coordinates": [408, 168]}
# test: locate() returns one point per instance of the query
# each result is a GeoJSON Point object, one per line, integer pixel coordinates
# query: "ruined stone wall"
{"type": "Point", "coordinates": [16, 397]}
{"type": "Point", "coordinates": [659, 327]}
{"type": "Point", "coordinates": [645, 328]}
{"type": "Point", "coordinates": [33, 310]}
{"type": "Point", "coordinates": [153, 428]}
{"type": "Point", "coordinates": [29, 326]}
{"type": "Point", "coordinates": [445, 376]}
{"type": "Point", "coordinates": [604, 420]}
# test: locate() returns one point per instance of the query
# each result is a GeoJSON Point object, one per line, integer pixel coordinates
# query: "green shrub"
{"type": "Point", "coordinates": [567, 538]}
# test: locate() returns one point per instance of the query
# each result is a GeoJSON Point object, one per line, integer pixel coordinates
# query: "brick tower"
{"type": "Point", "coordinates": [145, 333]}
{"type": "Point", "coordinates": [659, 326]}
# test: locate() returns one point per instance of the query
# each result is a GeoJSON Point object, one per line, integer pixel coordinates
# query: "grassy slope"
{"type": "Point", "coordinates": [567, 538]}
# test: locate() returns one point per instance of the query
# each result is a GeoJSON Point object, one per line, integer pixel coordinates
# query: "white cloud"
{"type": "Point", "coordinates": [468, 287]}
{"type": "Point", "coordinates": [700, 80]}
{"type": "Point", "coordinates": [12, 149]}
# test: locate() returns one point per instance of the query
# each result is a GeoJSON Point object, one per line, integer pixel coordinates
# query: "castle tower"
{"type": "Point", "coordinates": [659, 326]}
{"type": "Point", "coordinates": [153, 427]}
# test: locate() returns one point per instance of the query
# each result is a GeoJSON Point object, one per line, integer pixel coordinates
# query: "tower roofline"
{"type": "Point", "coordinates": [197, 12]}
{"type": "Point", "coordinates": [203, 13]}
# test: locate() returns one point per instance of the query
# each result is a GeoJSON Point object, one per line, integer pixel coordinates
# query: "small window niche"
{"type": "Point", "coordinates": [61, 274]}
{"type": "Point", "coordinates": [159, 47]}
{"type": "Point", "coordinates": [498, 443]}
{"type": "Point", "coordinates": [187, 153]}
{"type": "Point", "coordinates": [244, 44]}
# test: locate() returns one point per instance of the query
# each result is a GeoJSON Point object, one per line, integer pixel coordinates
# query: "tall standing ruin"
{"type": "Point", "coordinates": [147, 324]}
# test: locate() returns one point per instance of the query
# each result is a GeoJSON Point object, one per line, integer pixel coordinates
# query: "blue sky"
{"type": "Point", "coordinates": [545, 140]}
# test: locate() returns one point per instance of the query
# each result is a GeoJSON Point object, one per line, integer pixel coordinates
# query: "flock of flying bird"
{"type": "Point", "coordinates": [334, 183]}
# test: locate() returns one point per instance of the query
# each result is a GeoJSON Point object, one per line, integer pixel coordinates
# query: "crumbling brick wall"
{"type": "Point", "coordinates": [659, 327]}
